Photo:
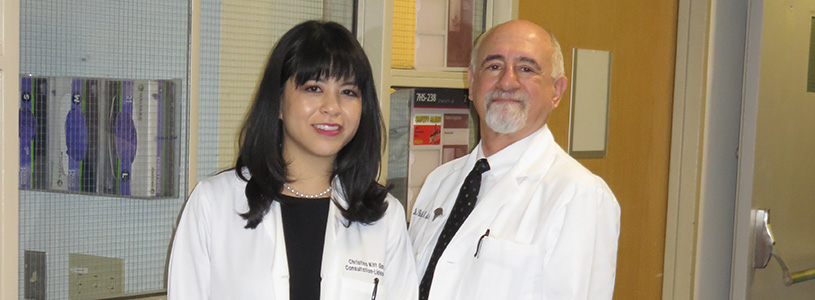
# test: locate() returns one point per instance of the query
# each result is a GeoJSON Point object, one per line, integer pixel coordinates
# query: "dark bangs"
{"type": "Point", "coordinates": [326, 53]}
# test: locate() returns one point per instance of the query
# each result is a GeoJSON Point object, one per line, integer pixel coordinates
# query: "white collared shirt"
{"type": "Point", "coordinates": [502, 161]}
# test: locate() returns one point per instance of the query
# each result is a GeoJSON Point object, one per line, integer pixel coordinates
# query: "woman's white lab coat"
{"type": "Point", "coordinates": [215, 257]}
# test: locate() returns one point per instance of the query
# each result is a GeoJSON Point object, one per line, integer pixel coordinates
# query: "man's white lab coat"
{"type": "Point", "coordinates": [553, 229]}
{"type": "Point", "coordinates": [215, 257]}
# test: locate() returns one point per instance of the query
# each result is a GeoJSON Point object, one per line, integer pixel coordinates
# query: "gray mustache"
{"type": "Point", "coordinates": [517, 96]}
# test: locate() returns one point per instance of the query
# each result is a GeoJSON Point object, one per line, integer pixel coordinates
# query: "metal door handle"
{"type": "Point", "coordinates": [764, 250]}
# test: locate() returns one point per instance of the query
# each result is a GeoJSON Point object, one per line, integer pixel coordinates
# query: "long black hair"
{"type": "Point", "coordinates": [309, 51]}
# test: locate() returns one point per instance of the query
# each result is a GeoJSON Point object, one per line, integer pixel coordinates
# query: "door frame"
{"type": "Point", "coordinates": [705, 138]}
{"type": "Point", "coordinates": [9, 146]}
{"type": "Point", "coordinates": [691, 35]}
{"type": "Point", "coordinates": [743, 233]}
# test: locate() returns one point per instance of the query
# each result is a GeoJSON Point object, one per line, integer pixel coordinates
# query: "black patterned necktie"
{"type": "Point", "coordinates": [465, 202]}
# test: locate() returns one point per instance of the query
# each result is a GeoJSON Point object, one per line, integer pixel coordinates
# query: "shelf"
{"type": "Point", "coordinates": [448, 78]}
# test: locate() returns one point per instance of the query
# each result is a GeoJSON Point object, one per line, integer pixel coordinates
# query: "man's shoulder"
{"type": "Point", "coordinates": [544, 155]}
{"type": "Point", "coordinates": [568, 170]}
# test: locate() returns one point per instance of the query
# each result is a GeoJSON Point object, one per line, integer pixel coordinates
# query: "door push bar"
{"type": "Point", "coordinates": [764, 249]}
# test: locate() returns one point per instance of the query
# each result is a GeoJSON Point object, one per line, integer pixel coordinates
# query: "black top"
{"type": "Point", "coordinates": [304, 222]}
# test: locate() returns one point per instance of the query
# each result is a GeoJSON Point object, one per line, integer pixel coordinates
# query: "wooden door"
{"type": "Point", "coordinates": [641, 35]}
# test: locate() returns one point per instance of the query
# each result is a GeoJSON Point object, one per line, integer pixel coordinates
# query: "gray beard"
{"type": "Point", "coordinates": [505, 117]}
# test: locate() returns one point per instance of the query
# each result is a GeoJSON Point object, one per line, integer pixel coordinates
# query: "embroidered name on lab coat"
{"type": "Point", "coordinates": [421, 213]}
{"type": "Point", "coordinates": [370, 267]}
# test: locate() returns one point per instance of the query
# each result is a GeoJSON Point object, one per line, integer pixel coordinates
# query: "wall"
{"type": "Point", "coordinates": [60, 39]}
{"type": "Point", "coordinates": [641, 36]}
{"type": "Point", "coordinates": [132, 39]}
{"type": "Point", "coordinates": [124, 40]}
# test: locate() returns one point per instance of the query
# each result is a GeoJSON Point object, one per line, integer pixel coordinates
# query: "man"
{"type": "Point", "coordinates": [540, 226]}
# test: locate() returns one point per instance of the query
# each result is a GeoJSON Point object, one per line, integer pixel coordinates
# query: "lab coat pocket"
{"type": "Point", "coordinates": [502, 269]}
{"type": "Point", "coordinates": [357, 289]}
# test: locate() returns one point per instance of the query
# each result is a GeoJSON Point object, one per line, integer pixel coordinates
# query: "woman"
{"type": "Point", "coordinates": [301, 216]}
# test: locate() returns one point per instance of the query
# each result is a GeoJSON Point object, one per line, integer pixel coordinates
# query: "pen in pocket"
{"type": "Point", "coordinates": [376, 284]}
{"type": "Point", "coordinates": [478, 246]}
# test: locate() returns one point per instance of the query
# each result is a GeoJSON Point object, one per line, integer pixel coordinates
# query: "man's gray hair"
{"type": "Point", "coordinates": [557, 54]}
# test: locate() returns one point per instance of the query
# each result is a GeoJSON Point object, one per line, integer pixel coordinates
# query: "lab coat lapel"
{"type": "Point", "coordinates": [535, 161]}
{"type": "Point", "coordinates": [488, 203]}
{"type": "Point", "coordinates": [538, 158]}
{"type": "Point", "coordinates": [487, 208]}
{"type": "Point", "coordinates": [458, 174]}
{"type": "Point", "coordinates": [273, 224]}
{"type": "Point", "coordinates": [444, 199]}
{"type": "Point", "coordinates": [334, 232]}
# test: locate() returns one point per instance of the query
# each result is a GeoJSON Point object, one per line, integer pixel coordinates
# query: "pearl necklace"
{"type": "Point", "coordinates": [301, 195]}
